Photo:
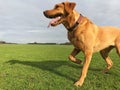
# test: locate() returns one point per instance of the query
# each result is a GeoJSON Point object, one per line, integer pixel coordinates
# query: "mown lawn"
{"type": "Point", "coordinates": [46, 67]}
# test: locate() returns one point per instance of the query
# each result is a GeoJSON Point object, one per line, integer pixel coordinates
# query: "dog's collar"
{"type": "Point", "coordinates": [76, 23]}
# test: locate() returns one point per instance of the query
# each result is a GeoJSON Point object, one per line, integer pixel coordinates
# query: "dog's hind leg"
{"type": "Point", "coordinates": [117, 45]}
{"type": "Point", "coordinates": [72, 56]}
{"type": "Point", "coordinates": [104, 54]}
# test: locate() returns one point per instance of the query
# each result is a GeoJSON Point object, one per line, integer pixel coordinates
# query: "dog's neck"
{"type": "Point", "coordinates": [75, 24]}
{"type": "Point", "coordinates": [74, 20]}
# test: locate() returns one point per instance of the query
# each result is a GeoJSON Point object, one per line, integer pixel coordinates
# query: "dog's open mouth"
{"type": "Point", "coordinates": [54, 21]}
{"type": "Point", "coordinates": [56, 18]}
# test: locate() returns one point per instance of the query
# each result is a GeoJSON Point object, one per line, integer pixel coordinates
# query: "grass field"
{"type": "Point", "coordinates": [46, 67]}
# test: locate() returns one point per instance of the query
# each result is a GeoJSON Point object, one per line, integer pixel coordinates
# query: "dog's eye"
{"type": "Point", "coordinates": [56, 6]}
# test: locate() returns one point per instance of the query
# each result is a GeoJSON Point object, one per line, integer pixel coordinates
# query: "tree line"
{"type": "Point", "coordinates": [66, 43]}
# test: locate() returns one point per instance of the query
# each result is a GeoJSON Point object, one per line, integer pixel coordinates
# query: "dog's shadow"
{"type": "Point", "coordinates": [51, 66]}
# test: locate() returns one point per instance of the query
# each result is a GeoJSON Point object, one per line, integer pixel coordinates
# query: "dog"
{"type": "Point", "coordinates": [85, 36]}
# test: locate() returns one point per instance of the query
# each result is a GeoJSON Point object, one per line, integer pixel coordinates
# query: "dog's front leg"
{"type": "Point", "coordinates": [88, 55]}
{"type": "Point", "coordinates": [72, 56]}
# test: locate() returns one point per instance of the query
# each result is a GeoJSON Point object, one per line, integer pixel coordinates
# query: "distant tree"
{"type": "Point", "coordinates": [2, 42]}
{"type": "Point", "coordinates": [66, 43]}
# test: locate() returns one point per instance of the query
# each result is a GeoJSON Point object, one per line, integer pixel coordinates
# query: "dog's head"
{"type": "Point", "coordinates": [60, 12]}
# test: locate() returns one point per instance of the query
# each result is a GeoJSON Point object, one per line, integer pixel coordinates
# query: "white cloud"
{"type": "Point", "coordinates": [33, 31]}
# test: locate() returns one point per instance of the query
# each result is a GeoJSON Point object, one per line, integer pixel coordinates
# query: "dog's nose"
{"type": "Point", "coordinates": [44, 12]}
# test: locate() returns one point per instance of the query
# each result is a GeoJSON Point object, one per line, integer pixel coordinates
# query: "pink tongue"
{"type": "Point", "coordinates": [53, 21]}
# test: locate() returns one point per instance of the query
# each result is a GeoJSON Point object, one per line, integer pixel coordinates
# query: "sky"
{"type": "Point", "coordinates": [22, 21]}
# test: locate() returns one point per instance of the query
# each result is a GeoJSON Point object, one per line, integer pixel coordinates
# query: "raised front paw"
{"type": "Point", "coordinates": [78, 61]}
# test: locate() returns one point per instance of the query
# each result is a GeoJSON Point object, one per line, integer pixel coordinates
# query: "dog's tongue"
{"type": "Point", "coordinates": [53, 21]}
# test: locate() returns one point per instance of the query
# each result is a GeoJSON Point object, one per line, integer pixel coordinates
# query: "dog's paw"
{"type": "Point", "coordinates": [78, 61]}
{"type": "Point", "coordinates": [105, 71]}
{"type": "Point", "coordinates": [78, 83]}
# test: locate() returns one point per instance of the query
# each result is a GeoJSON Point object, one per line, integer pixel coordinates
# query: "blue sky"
{"type": "Point", "coordinates": [22, 21]}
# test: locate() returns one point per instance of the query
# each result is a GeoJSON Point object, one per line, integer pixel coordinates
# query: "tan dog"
{"type": "Point", "coordinates": [85, 36]}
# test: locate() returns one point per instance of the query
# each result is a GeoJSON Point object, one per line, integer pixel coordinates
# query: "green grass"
{"type": "Point", "coordinates": [46, 67]}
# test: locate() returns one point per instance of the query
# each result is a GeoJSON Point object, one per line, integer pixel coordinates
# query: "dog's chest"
{"type": "Point", "coordinates": [76, 40]}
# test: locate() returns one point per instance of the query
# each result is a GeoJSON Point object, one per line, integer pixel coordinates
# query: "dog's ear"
{"type": "Point", "coordinates": [69, 6]}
